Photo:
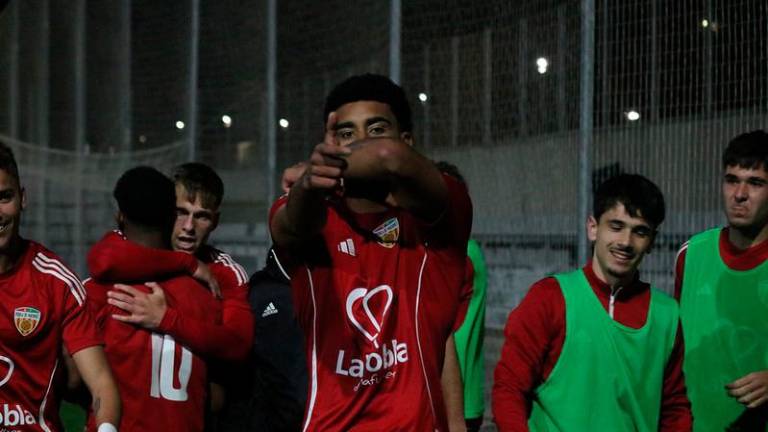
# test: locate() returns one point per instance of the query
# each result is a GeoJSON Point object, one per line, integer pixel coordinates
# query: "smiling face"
{"type": "Point", "coordinates": [621, 242]}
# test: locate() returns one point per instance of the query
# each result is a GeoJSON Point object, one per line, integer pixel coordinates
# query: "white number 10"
{"type": "Point", "coordinates": [163, 359]}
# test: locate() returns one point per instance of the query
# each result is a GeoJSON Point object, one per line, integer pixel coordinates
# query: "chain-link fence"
{"type": "Point", "coordinates": [497, 87]}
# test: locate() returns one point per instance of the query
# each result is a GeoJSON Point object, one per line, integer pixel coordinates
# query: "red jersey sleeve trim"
{"type": "Point", "coordinates": [229, 263]}
{"type": "Point", "coordinates": [55, 268]}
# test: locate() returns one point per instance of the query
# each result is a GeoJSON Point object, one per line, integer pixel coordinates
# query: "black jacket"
{"type": "Point", "coordinates": [269, 393]}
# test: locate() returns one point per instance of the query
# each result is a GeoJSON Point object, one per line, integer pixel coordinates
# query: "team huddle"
{"type": "Point", "coordinates": [370, 243]}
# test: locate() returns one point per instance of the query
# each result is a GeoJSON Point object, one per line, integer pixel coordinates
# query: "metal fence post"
{"type": "Point", "coordinates": [78, 127]}
{"type": "Point", "coordinates": [395, 17]}
{"type": "Point", "coordinates": [586, 123]}
{"type": "Point", "coordinates": [271, 107]}
{"type": "Point", "coordinates": [41, 114]}
{"type": "Point", "coordinates": [13, 70]}
{"type": "Point", "coordinates": [194, 39]}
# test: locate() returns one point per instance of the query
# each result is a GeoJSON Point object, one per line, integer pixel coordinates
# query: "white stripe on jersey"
{"type": "Point", "coordinates": [237, 269]}
{"type": "Point", "coordinates": [64, 270]}
{"type": "Point", "coordinates": [41, 413]}
{"type": "Point", "coordinates": [280, 266]}
{"type": "Point", "coordinates": [683, 248]}
{"type": "Point", "coordinates": [54, 268]}
{"type": "Point", "coordinates": [313, 385]}
{"type": "Point", "coordinates": [418, 338]}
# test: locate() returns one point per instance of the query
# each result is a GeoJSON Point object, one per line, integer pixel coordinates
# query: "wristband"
{"type": "Point", "coordinates": [107, 427]}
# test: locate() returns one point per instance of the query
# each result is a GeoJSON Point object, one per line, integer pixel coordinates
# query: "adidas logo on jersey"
{"type": "Point", "coordinates": [15, 416]}
{"type": "Point", "coordinates": [269, 310]}
{"type": "Point", "coordinates": [347, 247]}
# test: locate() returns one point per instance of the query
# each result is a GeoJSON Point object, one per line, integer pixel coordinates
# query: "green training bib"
{"type": "Point", "coordinates": [724, 313]}
{"type": "Point", "coordinates": [609, 376]}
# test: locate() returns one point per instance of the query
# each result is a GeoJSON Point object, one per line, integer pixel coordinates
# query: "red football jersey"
{"type": "Point", "coordinates": [42, 305]}
{"type": "Point", "coordinates": [114, 258]}
{"type": "Point", "coordinates": [162, 383]}
{"type": "Point", "coordinates": [377, 299]}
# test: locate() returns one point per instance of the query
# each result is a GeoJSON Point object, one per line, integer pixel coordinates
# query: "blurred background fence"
{"type": "Point", "coordinates": [536, 101]}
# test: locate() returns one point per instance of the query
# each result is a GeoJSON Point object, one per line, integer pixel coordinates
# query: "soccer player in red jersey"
{"type": "Point", "coordinates": [162, 376]}
{"type": "Point", "coordinates": [42, 309]}
{"type": "Point", "coordinates": [376, 238]}
{"type": "Point", "coordinates": [597, 349]}
{"type": "Point", "coordinates": [199, 193]}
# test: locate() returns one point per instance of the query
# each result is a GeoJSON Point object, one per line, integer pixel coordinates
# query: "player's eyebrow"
{"type": "Point", "coordinates": [374, 120]}
{"type": "Point", "coordinates": [344, 125]}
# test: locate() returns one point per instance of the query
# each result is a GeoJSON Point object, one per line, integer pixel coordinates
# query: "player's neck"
{"type": "Point", "coordinates": [362, 205]}
{"type": "Point", "coordinates": [613, 281]}
{"type": "Point", "coordinates": [744, 238]}
{"type": "Point", "coordinates": [148, 238]}
{"type": "Point", "coordinates": [11, 255]}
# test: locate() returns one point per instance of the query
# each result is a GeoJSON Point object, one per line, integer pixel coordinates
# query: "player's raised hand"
{"type": "Point", "coordinates": [144, 309]}
{"type": "Point", "coordinates": [326, 164]}
{"type": "Point", "coordinates": [291, 175]}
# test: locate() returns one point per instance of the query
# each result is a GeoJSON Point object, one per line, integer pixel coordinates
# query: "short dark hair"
{"type": "Point", "coordinates": [146, 197]}
{"type": "Point", "coordinates": [748, 150]}
{"type": "Point", "coordinates": [371, 87]}
{"type": "Point", "coordinates": [640, 196]}
{"type": "Point", "coordinates": [200, 179]}
{"type": "Point", "coordinates": [450, 169]}
{"type": "Point", "coordinates": [8, 162]}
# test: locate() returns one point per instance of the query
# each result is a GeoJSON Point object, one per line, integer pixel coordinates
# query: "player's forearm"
{"type": "Point", "coordinates": [413, 180]}
{"type": "Point", "coordinates": [114, 259]}
{"type": "Point", "coordinates": [105, 398]}
{"type": "Point", "coordinates": [303, 215]}
{"type": "Point", "coordinates": [229, 340]}
{"type": "Point", "coordinates": [453, 389]}
{"type": "Point", "coordinates": [508, 401]}
{"type": "Point", "coordinates": [529, 337]}
{"type": "Point", "coordinates": [106, 405]}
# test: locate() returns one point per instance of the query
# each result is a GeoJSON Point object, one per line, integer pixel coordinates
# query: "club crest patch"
{"type": "Point", "coordinates": [388, 233]}
{"type": "Point", "coordinates": [26, 319]}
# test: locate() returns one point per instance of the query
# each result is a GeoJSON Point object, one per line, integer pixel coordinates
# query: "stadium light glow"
{"type": "Point", "coordinates": [284, 123]}
{"type": "Point", "coordinates": [423, 97]}
{"type": "Point", "coordinates": [705, 23]}
{"type": "Point", "coordinates": [632, 115]}
{"type": "Point", "coordinates": [227, 120]}
{"type": "Point", "coordinates": [541, 65]}
{"type": "Point", "coordinates": [180, 125]}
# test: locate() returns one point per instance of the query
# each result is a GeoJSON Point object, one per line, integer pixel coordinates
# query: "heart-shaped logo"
{"type": "Point", "coordinates": [374, 310]}
{"type": "Point", "coordinates": [9, 372]}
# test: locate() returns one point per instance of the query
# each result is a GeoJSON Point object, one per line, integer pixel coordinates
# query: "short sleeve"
{"type": "Point", "coordinates": [79, 325]}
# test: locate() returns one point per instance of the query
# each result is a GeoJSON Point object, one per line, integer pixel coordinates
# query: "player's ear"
{"type": "Point", "coordinates": [407, 138]}
{"type": "Point", "coordinates": [23, 198]}
{"type": "Point", "coordinates": [592, 228]}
